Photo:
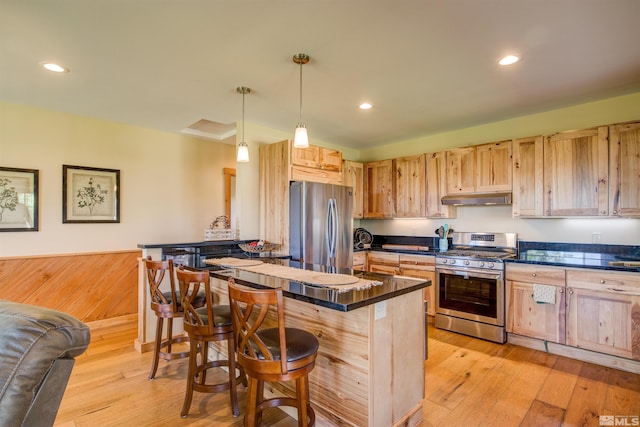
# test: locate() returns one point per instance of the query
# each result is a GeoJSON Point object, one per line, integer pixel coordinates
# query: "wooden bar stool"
{"type": "Point", "coordinates": [206, 324]}
{"type": "Point", "coordinates": [166, 305]}
{"type": "Point", "coordinates": [268, 353]}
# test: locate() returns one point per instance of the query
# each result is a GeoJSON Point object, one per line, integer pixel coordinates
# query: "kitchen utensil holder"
{"type": "Point", "coordinates": [444, 244]}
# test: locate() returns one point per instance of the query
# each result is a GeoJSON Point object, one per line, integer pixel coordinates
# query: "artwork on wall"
{"type": "Point", "coordinates": [90, 194]}
{"type": "Point", "coordinates": [18, 199]}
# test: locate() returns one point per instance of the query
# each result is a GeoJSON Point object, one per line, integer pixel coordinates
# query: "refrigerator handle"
{"type": "Point", "coordinates": [334, 230]}
{"type": "Point", "coordinates": [328, 229]}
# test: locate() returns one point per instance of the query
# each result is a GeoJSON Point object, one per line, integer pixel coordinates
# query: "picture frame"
{"type": "Point", "coordinates": [18, 199]}
{"type": "Point", "coordinates": [90, 195]}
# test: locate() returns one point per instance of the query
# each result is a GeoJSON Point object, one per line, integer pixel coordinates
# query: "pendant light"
{"type": "Point", "coordinates": [243, 148]}
{"type": "Point", "coordinates": [301, 138]}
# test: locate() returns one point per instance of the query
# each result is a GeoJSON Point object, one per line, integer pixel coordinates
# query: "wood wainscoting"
{"type": "Point", "coordinates": [89, 286]}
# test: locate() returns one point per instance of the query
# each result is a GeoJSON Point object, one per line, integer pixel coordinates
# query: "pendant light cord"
{"type": "Point", "coordinates": [300, 121]}
{"type": "Point", "coordinates": [243, 92]}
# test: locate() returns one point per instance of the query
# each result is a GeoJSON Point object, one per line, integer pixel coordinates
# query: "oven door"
{"type": "Point", "coordinates": [476, 295]}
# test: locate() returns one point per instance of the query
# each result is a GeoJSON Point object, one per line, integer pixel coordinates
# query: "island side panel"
{"type": "Point", "coordinates": [339, 383]}
{"type": "Point", "coordinates": [397, 363]}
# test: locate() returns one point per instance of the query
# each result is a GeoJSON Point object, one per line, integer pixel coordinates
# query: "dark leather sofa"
{"type": "Point", "coordinates": [37, 351]}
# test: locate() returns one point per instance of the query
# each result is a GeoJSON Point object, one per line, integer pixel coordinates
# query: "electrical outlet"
{"type": "Point", "coordinates": [595, 237]}
{"type": "Point", "coordinates": [380, 310]}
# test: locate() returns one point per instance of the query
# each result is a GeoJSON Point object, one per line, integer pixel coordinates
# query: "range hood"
{"type": "Point", "coordinates": [478, 199]}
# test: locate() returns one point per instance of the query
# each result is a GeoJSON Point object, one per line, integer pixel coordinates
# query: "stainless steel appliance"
{"type": "Point", "coordinates": [321, 224]}
{"type": "Point", "coordinates": [470, 290]}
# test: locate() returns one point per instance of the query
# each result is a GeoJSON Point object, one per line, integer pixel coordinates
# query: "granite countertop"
{"type": "Point", "coordinates": [391, 287]}
{"type": "Point", "coordinates": [601, 257]}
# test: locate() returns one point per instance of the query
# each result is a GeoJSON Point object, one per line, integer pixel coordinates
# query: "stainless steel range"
{"type": "Point", "coordinates": [470, 291]}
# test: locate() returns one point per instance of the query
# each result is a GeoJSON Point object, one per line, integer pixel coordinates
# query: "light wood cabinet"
{"type": "Point", "coordinates": [383, 262]}
{"type": "Point", "coordinates": [359, 261]}
{"type": "Point", "coordinates": [461, 170]}
{"type": "Point", "coordinates": [317, 157]}
{"type": "Point", "coordinates": [576, 173]}
{"type": "Point", "coordinates": [353, 176]}
{"type": "Point", "coordinates": [527, 317]}
{"type": "Point", "coordinates": [436, 186]}
{"type": "Point", "coordinates": [493, 167]}
{"type": "Point", "coordinates": [281, 163]}
{"type": "Point", "coordinates": [482, 168]}
{"type": "Point", "coordinates": [409, 187]}
{"type": "Point", "coordinates": [603, 312]}
{"type": "Point", "coordinates": [378, 194]}
{"type": "Point", "coordinates": [624, 169]}
{"type": "Point", "coordinates": [528, 177]}
{"type": "Point", "coordinates": [421, 267]}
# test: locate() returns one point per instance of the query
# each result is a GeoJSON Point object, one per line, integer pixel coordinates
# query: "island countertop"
{"type": "Point", "coordinates": [392, 286]}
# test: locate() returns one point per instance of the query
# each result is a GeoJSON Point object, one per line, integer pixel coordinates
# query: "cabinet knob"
{"type": "Point", "coordinates": [570, 291]}
{"type": "Point", "coordinates": [561, 291]}
{"type": "Point", "coordinates": [602, 281]}
{"type": "Point", "coordinates": [533, 274]}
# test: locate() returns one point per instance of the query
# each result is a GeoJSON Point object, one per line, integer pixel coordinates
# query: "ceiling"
{"type": "Point", "coordinates": [427, 66]}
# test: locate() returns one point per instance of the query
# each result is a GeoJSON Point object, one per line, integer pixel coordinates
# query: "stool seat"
{"type": "Point", "coordinates": [300, 344]}
{"type": "Point", "coordinates": [221, 315]}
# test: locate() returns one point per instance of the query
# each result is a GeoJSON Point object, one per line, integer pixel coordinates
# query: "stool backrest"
{"type": "Point", "coordinates": [191, 283]}
{"type": "Point", "coordinates": [156, 271]}
{"type": "Point", "coordinates": [250, 308]}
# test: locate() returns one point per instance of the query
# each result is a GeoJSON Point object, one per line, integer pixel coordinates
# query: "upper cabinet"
{"type": "Point", "coordinates": [528, 176]}
{"type": "Point", "coordinates": [483, 168]}
{"type": "Point", "coordinates": [493, 167]}
{"type": "Point", "coordinates": [378, 194]}
{"type": "Point", "coordinates": [461, 170]}
{"type": "Point", "coordinates": [624, 169]}
{"type": "Point", "coordinates": [409, 186]}
{"type": "Point", "coordinates": [353, 176]}
{"type": "Point", "coordinates": [436, 182]}
{"type": "Point", "coordinates": [316, 164]}
{"type": "Point", "coordinates": [576, 173]}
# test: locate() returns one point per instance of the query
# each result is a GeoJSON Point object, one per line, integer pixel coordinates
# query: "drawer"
{"type": "Point", "coordinates": [417, 262]}
{"type": "Point", "coordinates": [541, 274]}
{"type": "Point", "coordinates": [604, 281]}
{"type": "Point", "coordinates": [383, 258]}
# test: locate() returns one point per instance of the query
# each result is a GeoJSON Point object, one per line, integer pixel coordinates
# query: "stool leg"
{"type": "Point", "coordinates": [193, 355]}
{"type": "Point", "coordinates": [302, 396]}
{"type": "Point", "coordinates": [233, 392]}
{"type": "Point", "coordinates": [169, 333]}
{"type": "Point", "coordinates": [252, 402]}
{"type": "Point", "coordinates": [259, 400]}
{"type": "Point", "coordinates": [156, 350]}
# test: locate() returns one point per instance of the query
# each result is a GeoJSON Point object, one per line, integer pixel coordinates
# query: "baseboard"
{"type": "Point", "coordinates": [607, 360]}
{"type": "Point", "coordinates": [113, 321]}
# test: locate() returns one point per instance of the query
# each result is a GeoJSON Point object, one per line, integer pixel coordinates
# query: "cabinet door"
{"type": "Point", "coordinates": [624, 169]}
{"type": "Point", "coordinates": [353, 176]}
{"type": "Point", "coordinates": [359, 261]}
{"type": "Point", "coordinates": [421, 267]}
{"type": "Point", "coordinates": [309, 156]}
{"type": "Point", "coordinates": [330, 160]}
{"type": "Point", "coordinates": [527, 317]}
{"type": "Point", "coordinates": [378, 196]}
{"type": "Point", "coordinates": [409, 186]}
{"type": "Point", "coordinates": [528, 190]}
{"type": "Point", "coordinates": [436, 186]}
{"type": "Point", "coordinates": [493, 167]}
{"type": "Point", "coordinates": [274, 193]}
{"type": "Point", "coordinates": [576, 173]}
{"type": "Point", "coordinates": [461, 170]}
{"type": "Point", "coordinates": [603, 312]}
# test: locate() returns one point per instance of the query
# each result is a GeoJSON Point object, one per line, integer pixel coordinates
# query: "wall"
{"type": "Point", "coordinates": [172, 186]}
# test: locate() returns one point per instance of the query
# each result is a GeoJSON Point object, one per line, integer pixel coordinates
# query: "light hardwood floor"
{"type": "Point", "coordinates": [469, 382]}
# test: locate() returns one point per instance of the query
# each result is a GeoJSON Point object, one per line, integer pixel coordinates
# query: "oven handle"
{"type": "Point", "coordinates": [471, 272]}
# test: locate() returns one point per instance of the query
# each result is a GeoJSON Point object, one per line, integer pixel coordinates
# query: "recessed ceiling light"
{"type": "Point", "coordinates": [508, 60]}
{"type": "Point", "coordinates": [54, 67]}
{"type": "Point", "coordinates": [365, 106]}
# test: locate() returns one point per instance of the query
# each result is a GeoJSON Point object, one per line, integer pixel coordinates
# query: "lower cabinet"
{"type": "Point", "coordinates": [359, 261]}
{"type": "Point", "coordinates": [416, 266]}
{"type": "Point", "coordinates": [594, 310]}
{"type": "Point", "coordinates": [603, 312]}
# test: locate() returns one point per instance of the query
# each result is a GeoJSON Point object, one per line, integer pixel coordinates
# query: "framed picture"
{"type": "Point", "coordinates": [90, 194]}
{"type": "Point", "coordinates": [18, 199]}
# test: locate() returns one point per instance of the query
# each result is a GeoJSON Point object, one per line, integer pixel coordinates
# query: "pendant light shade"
{"type": "Point", "coordinates": [301, 138]}
{"type": "Point", "coordinates": [243, 148]}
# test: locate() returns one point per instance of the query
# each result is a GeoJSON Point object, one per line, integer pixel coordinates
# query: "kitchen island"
{"type": "Point", "coordinates": [370, 365]}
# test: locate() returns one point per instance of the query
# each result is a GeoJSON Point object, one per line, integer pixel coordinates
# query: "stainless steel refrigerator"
{"type": "Point", "coordinates": [321, 224]}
